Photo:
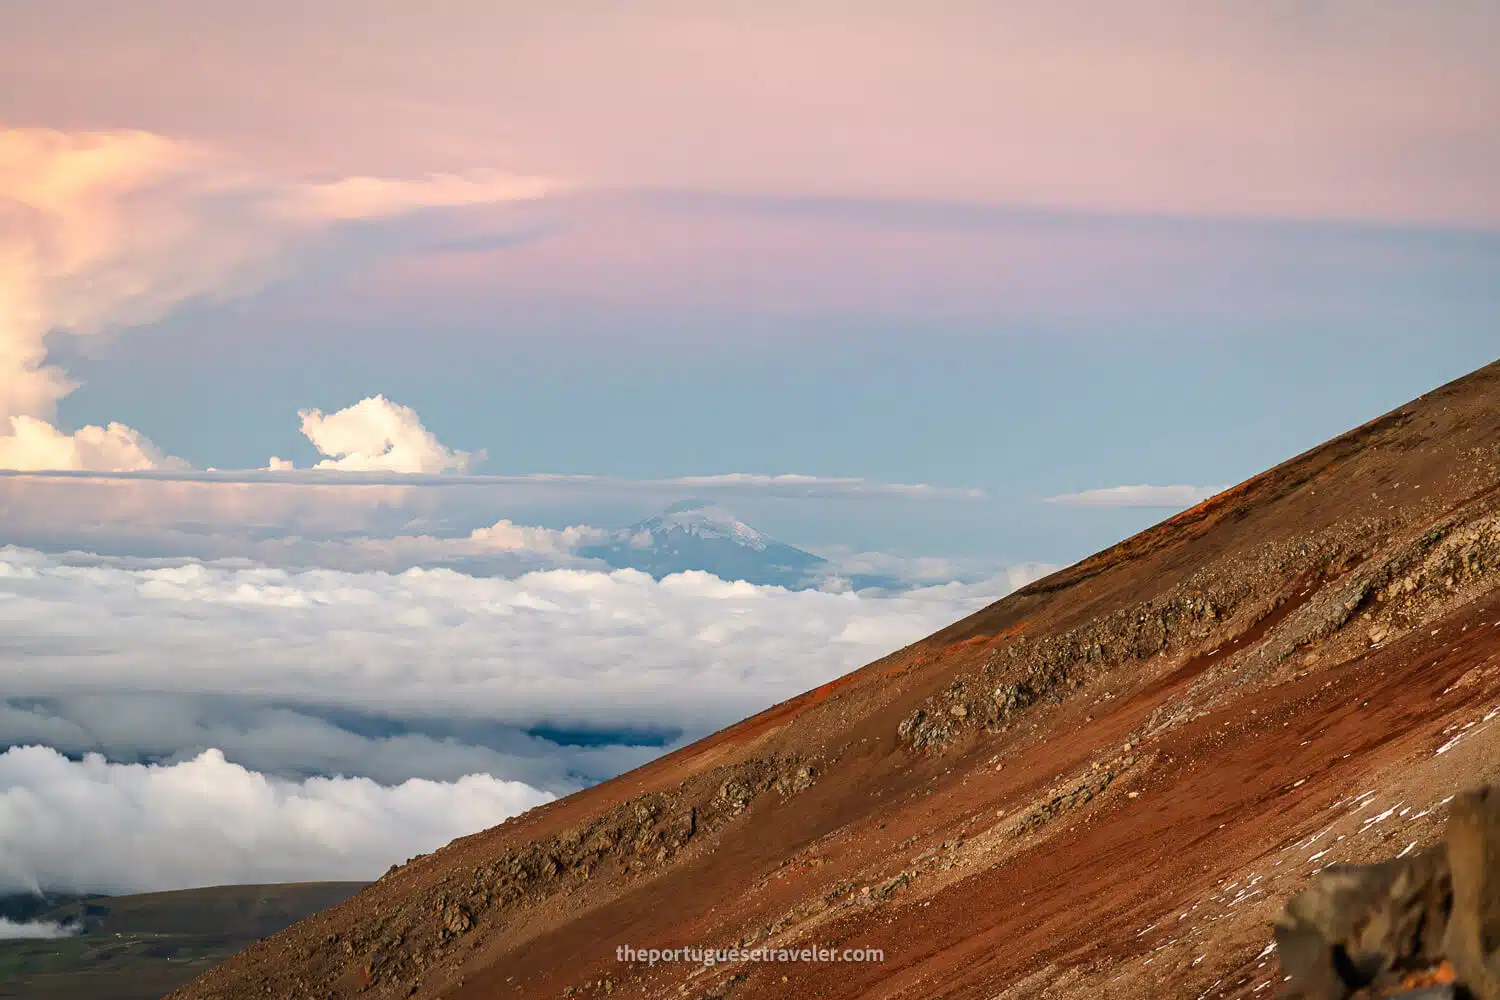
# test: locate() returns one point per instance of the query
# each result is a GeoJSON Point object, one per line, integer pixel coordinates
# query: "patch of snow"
{"type": "Point", "coordinates": [704, 521]}
{"type": "Point", "coordinates": [1449, 745]}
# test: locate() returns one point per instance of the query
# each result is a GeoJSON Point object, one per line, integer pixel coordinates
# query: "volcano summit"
{"type": "Point", "coordinates": [694, 535]}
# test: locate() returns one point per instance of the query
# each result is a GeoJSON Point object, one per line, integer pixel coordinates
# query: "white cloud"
{"type": "Point", "coordinates": [559, 647]}
{"type": "Point", "coordinates": [105, 230]}
{"type": "Point", "coordinates": [35, 444]}
{"type": "Point", "coordinates": [377, 435]}
{"type": "Point", "coordinates": [504, 548]}
{"type": "Point", "coordinates": [928, 570]}
{"type": "Point", "coordinates": [503, 536]}
{"type": "Point", "coordinates": [728, 484]}
{"type": "Point", "coordinates": [796, 481]}
{"type": "Point", "coordinates": [95, 826]}
{"type": "Point", "coordinates": [1174, 497]}
{"type": "Point", "coordinates": [374, 675]}
{"type": "Point", "coordinates": [38, 930]}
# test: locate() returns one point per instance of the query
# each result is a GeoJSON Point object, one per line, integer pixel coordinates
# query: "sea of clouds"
{"type": "Point", "coordinates": [193, 724]}
{"type": "Point", "coordinates": [289, 675]}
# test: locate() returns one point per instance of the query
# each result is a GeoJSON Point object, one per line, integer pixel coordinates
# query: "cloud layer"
{"type": "Point", "coordinates": [557, 648]}
{"type": "Point", "coordinates": [1165, 497]}
{"type": "Point", "coordinates": [93, 826]}
{"type": "Point", "coordinates": [1366, 108]}
{"type": "Point", "coordinates": [395, 521]}
{"type": "Point", "coordinates": [325, 724]}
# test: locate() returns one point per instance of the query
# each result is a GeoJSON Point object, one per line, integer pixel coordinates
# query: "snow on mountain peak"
{"type": "Point", "coordinates": [693, 535]}
{"type": "Point", "coordinates": [702, 520]}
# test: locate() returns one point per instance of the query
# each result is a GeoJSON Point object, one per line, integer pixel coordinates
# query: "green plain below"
{"type": "Point", "coordinates": [143, 946]}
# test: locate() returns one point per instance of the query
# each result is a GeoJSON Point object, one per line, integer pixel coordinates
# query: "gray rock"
{"type": "Point", "coordinates": [1472, 938]}
{"type": "Point", "coordinates": [1359, 925]}
{"type": "Point", "coordinates": [1366, 926]}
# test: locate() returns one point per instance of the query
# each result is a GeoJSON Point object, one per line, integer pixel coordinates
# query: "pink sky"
{"type": "Point", "coordinates": [1365, 109]}
{"type": "Point", "coordinates": [623, 163]}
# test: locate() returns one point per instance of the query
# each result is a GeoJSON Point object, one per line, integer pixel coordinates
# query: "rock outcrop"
{"type": "Point", "coordinates": [1427, 924]}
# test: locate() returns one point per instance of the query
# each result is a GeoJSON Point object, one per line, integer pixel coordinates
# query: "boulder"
{"type": "Point", "coordinates": [1371, 930]}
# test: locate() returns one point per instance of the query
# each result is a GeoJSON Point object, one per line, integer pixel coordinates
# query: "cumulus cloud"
{"type": "Point", "coordinates": [1170, 497]}
{"type": "Point", "coordinates": [94, 826]}
{"type": "Point", "coordinates": [105, 230]}
{"type": "Point", "coordinates": [377, 435]}
{"type": "Point", "coordinates": [34, 444]}
{"type": "Point", "coordinates": [504, 536]}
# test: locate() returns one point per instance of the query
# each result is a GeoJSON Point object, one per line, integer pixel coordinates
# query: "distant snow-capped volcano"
{"type": "Point", "coordinates": [699, 520]}
{"type": "Point", "coordinates": [693, 535]}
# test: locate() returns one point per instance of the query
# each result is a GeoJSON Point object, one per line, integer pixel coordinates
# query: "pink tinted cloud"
{"type": "Point", "coordinates": [653, 256]}
{"type": "Point", "coordinates": [1371, 109]}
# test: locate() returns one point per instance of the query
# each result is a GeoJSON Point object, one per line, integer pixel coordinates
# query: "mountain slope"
{"type": "Point", "coordinates": [693, 535]}
{"type": "Point", "coordinates": [1105, 784]}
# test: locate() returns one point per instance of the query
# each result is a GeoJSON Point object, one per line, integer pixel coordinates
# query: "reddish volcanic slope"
{"type": "Point", "coordinates": [1106, 784]}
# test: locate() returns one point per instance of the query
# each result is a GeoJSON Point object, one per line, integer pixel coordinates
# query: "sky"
{"type": "Point", "coordinates": [327, 318]}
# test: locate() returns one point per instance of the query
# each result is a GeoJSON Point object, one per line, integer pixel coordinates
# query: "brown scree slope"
{"type": "Point", "coordinates": [1105, 784]}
